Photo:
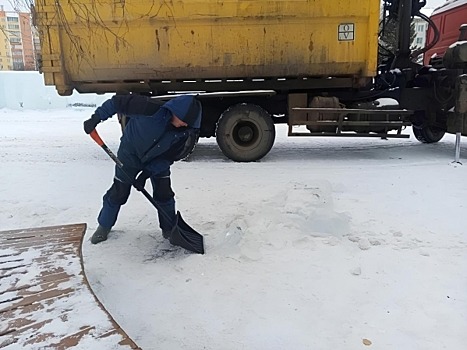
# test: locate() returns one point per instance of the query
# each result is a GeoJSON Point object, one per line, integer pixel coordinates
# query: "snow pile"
{"type": "Point", "coordinates": [26, 90]}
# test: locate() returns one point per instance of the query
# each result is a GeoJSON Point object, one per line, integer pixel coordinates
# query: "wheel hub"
{"type": "Point", "coordinates": [245, 133]}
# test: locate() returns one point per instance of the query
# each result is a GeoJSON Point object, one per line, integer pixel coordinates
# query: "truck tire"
{"type": "Point", "coordinates": [428, 134]}
{"type": "Point", "coordinates": [245, 132]}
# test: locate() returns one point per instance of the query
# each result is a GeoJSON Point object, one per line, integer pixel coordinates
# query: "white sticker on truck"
{"type": "Point", "coordinates": [346, 32]}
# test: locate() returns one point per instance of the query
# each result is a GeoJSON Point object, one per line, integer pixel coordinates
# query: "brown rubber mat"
{"type": "Point", "coordinates": [45, 299]}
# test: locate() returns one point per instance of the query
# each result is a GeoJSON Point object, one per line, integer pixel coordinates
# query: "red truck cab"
{"type": "Point", "coordinates": [448, 18]}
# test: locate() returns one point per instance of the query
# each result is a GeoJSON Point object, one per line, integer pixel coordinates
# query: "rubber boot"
{"type": "Point", "coordinates": [167, 223]}
{"type": "Point", "coordinates": [100, 235]}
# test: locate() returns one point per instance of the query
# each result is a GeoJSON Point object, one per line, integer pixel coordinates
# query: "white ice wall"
{"type": "Point", "coordinates": [26, 90]}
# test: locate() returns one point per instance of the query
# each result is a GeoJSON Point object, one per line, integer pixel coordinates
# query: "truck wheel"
{"type": "Point", "coordinates": [428, 134]}
{"type": "Point", "coordinates": [245, 132]}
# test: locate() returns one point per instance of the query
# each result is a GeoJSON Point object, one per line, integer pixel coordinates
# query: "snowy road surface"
{"type": "Point", "coordinates": [324, 244]}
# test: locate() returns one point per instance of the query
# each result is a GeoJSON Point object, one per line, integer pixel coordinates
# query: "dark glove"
{"type": "Point", "coordinates": [91, 123]}
{"type": "Point", "coordinates": [141, 180]}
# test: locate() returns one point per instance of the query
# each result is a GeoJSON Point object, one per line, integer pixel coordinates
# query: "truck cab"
{"type": "Point", "coordinates": [448, 18]}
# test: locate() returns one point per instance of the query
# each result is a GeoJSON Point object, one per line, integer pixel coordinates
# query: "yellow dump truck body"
{"type": "Point", "coordinates": [109, 44]}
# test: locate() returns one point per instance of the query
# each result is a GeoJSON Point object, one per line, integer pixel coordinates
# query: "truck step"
{"type": "Point", "coordinates": [336, 122]}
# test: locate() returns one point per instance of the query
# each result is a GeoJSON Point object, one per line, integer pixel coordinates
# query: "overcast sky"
{"type": "Point", "coordinates": [6, 5]}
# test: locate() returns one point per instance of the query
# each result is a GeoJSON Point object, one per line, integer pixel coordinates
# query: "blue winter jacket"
{"type": "Point", "coordinates": [149, 140]}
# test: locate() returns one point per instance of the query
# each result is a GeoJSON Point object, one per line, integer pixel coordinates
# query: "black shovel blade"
{"type": "Point", "coordinates": [184, 236]}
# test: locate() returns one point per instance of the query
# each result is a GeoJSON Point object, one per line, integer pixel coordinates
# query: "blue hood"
{"type": "Point", "coordinates": [186, 108]}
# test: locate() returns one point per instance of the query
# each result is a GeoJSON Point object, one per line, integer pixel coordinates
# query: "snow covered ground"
{"type": "Point", "coordinates": [324, 244]}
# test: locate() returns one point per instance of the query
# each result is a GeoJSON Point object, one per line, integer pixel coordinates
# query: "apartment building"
{"type": "Point", "coordinates": [421, 26]}
{"type": "Point", "coordinates": [17, 41]}
{"type": "Point", "coordinates": [6, 62]}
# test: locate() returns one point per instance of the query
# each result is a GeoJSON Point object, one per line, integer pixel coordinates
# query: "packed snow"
{"type": "Point", "coordinates": [449, 5]}
{"type": "Point", "coordinates": [326, 243]}
{"type": "Point", "coordinates": [59, 316]}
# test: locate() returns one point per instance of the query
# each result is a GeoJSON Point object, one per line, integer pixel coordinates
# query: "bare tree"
{"type": "Point", "coordinates": [21, 5]}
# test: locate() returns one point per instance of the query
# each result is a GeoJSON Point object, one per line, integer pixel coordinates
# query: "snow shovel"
{"type": "Point", "coordinates": [182, 234]}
